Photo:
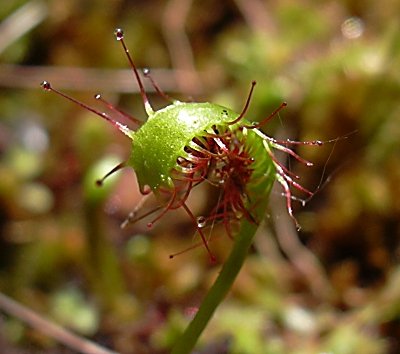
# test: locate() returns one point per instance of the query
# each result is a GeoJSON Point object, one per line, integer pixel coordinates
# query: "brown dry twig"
{"type": "Point", "coordinates": [51, 329]}
{"type": "Point", "coordinates": [80, 79]}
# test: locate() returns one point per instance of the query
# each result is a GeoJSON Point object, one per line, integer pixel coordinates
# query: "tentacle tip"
{"type": "Point", "coordinates": [46, 85]}
{"type": "Point", "coordinates": [99, 183]}
{"type": "Point", "coordinates": [150, 225]}
{"type": "Point", "coordinates": [213, 259]}
{"type": "Point", "coordinates": [296, 223]}
{"type": "Point", "coordinates": [119, 34]}
{"type": "Point", "coordinates": [97, 96]}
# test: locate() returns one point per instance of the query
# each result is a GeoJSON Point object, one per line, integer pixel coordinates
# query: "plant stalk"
{"type": "Point", "coordinates": [226, 278]}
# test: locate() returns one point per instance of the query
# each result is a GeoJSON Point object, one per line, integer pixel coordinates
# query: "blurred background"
{"type": "Point", "coordinates": [330, 288]}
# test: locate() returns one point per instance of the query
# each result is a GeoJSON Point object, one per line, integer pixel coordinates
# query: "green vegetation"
{"type": "Point", "coordinates": [61, 249]}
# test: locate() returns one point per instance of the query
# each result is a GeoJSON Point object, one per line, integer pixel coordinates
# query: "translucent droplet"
{"type": "Point", "coordinates": [201, 221]}
{"type": "Point", "coordinates": [97, 96]}
{"type": "Point", "coordinates": [146, 189]}
{"type": "Point", "coordinates": [146, 71]}
{"type": "Point", "coordinates": [119, 34]}
{"type": "Point", "coordinates": [352, 28]}
{"type": "Point", "coordinates": [46, 85]}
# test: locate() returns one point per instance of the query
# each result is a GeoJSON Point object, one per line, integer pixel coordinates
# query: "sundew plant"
{"type": "Point", "coordinates": [192, 179]}
{"type": "Point", "coordinates": [186, 144]}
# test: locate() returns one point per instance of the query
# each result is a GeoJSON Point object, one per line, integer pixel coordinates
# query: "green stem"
{"type": "Point", "coordinates": [229, 271]}
{"type": "Point", "coordinates": [259, 192]}
{"type": "Point", "coordinates": [219, 290]}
